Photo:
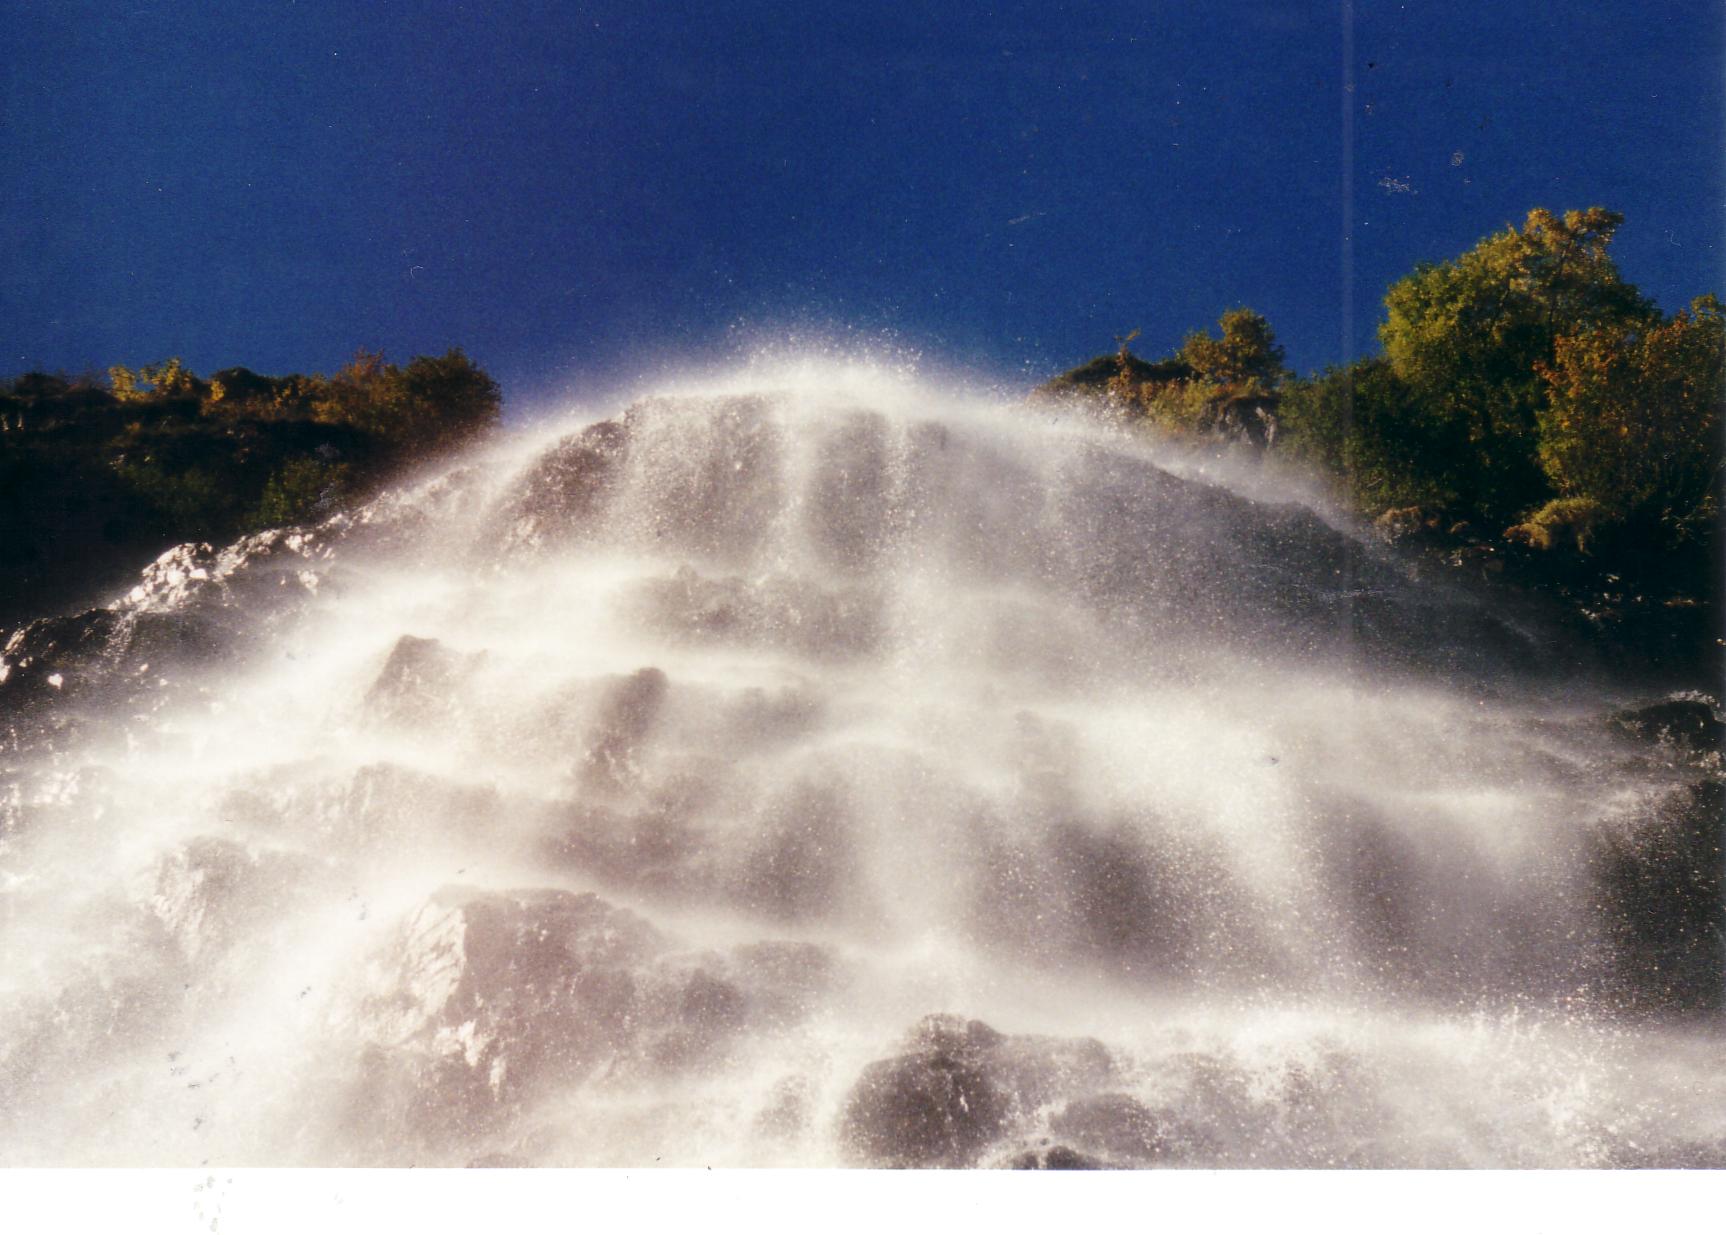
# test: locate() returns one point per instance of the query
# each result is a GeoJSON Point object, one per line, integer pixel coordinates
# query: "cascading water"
{"type": "Point", "coordinates": [848, 772]}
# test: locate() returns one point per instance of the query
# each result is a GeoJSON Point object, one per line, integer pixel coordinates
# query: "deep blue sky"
{"type": "Point", "coordinates": [577, 192]}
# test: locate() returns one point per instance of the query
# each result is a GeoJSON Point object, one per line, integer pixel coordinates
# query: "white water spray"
{"type": "Point", "coordinates": [630, 796]}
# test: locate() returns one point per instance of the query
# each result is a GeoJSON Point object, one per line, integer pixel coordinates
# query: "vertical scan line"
{"type": "Point", "coordinates": [1346, 254]}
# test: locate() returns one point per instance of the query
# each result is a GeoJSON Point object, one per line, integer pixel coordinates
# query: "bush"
{"type": "Point", "coordinates": [1566, 523]}
{"type": "Point", "coordinates": [302, 490]}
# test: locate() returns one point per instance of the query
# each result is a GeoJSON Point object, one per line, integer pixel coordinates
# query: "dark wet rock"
{"type": "Point", "coordinates": [562, 493]}
{"type": "Point", "coordinates": [418, 682]}
{"type": "Point", "coordinates": [1055, 1158]}
{"type": "Point", "coordinates": [490, 992]}
{"type": "Point", "coordinates": [628, 713]}
{"type": "Point", "coordinates": [1119, 1126]}
{"type": "Point", "coordinates": [1038, 1069]}
{"type": "Point", "coordinates": [1688, 725]}
{"type": "Point", "coordinates": [191, 605]}
{"type": "Point", "coordinates": [98, 654]}
{"type": "Point", "coordinates": [1663, 902]}
{"type": "Point", "coordinates": [958, 1088]}
{"type": "Point", "coordinates": [935, 1106]}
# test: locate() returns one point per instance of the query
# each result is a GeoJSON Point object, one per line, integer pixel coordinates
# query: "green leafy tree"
{"type": "Point", "coordinates": [434, 403]}
{"type": "Point", "coordinates": [1245, 360]}
{"type": "Point", "coordinates": [1365, 427]}
{"type": "Point", "coordinates": [1633, 421]}
{"type": "Point", "coordinates": [1467, 336]}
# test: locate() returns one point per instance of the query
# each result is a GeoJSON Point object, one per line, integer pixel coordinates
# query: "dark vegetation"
{"type": "Point", "coordinates": [98, 475]}
{"type": "Point", "coordinates": [1532, 418]}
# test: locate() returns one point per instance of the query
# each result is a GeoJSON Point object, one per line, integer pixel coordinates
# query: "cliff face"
{"type": "Point", "coordinates": [844, 776]}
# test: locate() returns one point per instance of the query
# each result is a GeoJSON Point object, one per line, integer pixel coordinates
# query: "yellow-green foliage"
{"type": "Point", "coordinates": [1182, 407]}
{"type": "Point", "coordinates": [167, 379]}
{"type": "Point", "coordinates": [1563, 523]}
{"type": "Point", "coordinates": [1634, 420]}
{"type": "Point", "coordinates": [432, 403]}
{"type": "Point", "coordinates": [1187, 394]}
{"type": "Point", "coordinates": [1467, 337]}
{"type": "Point", "coordinates": [1245, 360]}
{"type": "Point", "coordinates": [1522, 382]}
{"type": "Point", "coordinates": [1363, 426]}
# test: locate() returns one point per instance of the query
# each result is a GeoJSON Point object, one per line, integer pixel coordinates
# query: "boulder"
{"type": "Point", "coordinates": [489, 992]}
{"type": "Point", "coordinates": [1688, 725]}
{"type": "Point", "coordinates": [958, 1088]}
{"type": "Point", "coordinates": [210, 891]}
{"type": "Point", "coordinates": [418, 682]}
{"type": "Point", "coordinates": [493, 999]}
{"type": "Point", "coordinates": [1119, 1127]}
{"type": "Point", "coordinates": [1663, 902]}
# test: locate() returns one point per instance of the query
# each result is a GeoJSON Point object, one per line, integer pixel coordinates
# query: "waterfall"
{"type": "Point", "coordinates": [828, 767]}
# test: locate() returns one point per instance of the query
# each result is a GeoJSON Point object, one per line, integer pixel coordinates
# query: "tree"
{"type": "Point", "coordinates": [434, 403]}
{"type": "Point", "coordinates": [1467, 336]}
{"type": "Point", "coordinates": [1364, 426]}
{"type": "Point", "coordinates": [1246, 360]}
{"type": "Point", "coordinates": [445, 400]}
{"type": "Point", "coordinates": [164, 380]}
{"type": "Point", "coordinates": [1633, 420]}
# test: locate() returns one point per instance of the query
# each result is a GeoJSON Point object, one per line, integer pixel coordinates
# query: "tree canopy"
{"type": "Point", "coordinates": [1468, 337]}
{"type": "Point", "coordinates": [1245, 360]}
{"type": "Point", "coordinates": [1524, 388]}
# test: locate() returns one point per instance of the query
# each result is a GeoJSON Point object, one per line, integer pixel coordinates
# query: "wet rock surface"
{"type": "Point", "coordinates": [957, 1089]}
{"type": "Point", "coordinates": [1661, 875]}
{"type": "Point", "coordinates": [1690, 727]}
{"type": "Point", "coordinates": [560, 494]}
{"type": "Point", "coordinates": [494, 999]}
{"type": "Point", "coordinates": [827, 712]}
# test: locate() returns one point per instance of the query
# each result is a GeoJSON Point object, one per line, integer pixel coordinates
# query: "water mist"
{"type": "Point", "coordinates": [835, 769]}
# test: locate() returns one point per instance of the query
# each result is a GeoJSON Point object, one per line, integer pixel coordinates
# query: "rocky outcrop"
{"type": "Point", "coordinates": [418, 682]}
{"type": "Point", "coordinates": [1119, 1129]}
{"type": "Point", "coordinates": [210, 891]}
{"type": "Point", "coordinates": [564, 489]}
{"type": "Point", "coordinates": [492, 999]}
{"type": "Point", "coordinates": [1686, 726]}
{"type": "Point", "coordinates": [958, 1088]}
{"type": "Point", "coordinates": [1662, 897]}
